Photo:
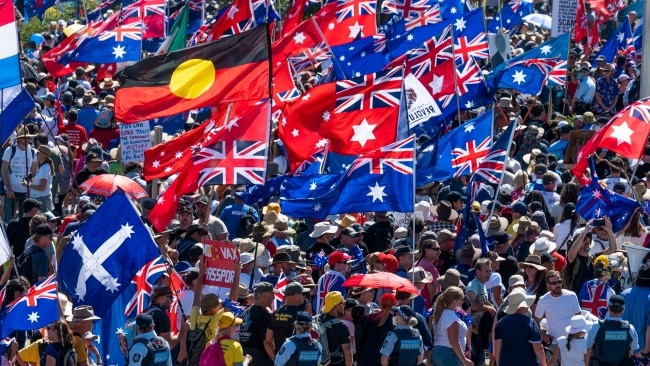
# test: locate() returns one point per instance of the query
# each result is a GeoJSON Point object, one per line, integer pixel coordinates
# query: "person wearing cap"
{"type": "Point", "coordinates": [446, 259]}
{"type": "Point", "coordinates": [256, 319]}
{"type": "Point", "coordinates": [281, 325]}
{"type": "Point", "coordinates": [193, 235]}
{"type": "Point", "coordinates": [89, 341]}
{"type": "Point", "coordinates": [358, 250]}
{"type": "Point", "coordinates": [213, 225]}
{"type": "Point", "coordinates": [179, 225]}
{"type": "Point", "coordinates": [301, 348]}
{"type": "Point", "coordinates": [340, 264]}
{"type": "Point", "coordinates": [338, 335]}
{"type": "Point", "coordinates": [40, 262]}
{"type": "Point", "coordinates": [232, 215]}
{"type": "Point", "coordinates": [18, 230]}
{"type": "Point", "coordinates": [557, 306]}
{"type": "Point", "coordinates": [616, 168]}
{"type": "Point", "coordinates": [614, 340]}
{"type": "Point", "coordinates": [204, 314]}
{"type": "Point", "coordinates": [481, 308]}
{"type": "Point", "coordinates": [162, 298]}
{"type": "Point", "coordinates": [404, 256]}
{"type": "Point", "coordinates": [517, 339]}
{"type": "Point", "coordinates": [596, 292]}
{"type": "Point", "coordinates": [450, 332]}
{"type": "Point", "coordinates": [141, 352]}
{"type": "Point", "coordinates": [404, 335]}
{"type": "Point", "coordinates": [378, 236]}
{"type": "Point", "coordinates": [584, 95]}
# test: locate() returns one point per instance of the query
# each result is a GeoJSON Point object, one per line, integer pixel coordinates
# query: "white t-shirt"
{"type": "Point", "coordinates": [562, 232]}
{"type": "Point", "coordinates": [558, 312]}
{"type": "Point", "coordinates": [441, 338]}
{"type": "Point", "coordinates": [575, 356]}
{"type": "Point", "coordinates": [43, 172]}
{"type": "Point", "coordinates": [18, 166]}
{"type": "Point", "coordinates": [494, 281]}
{"type": "Point", "coordinates": [599, 245]}
{"type": "Point", "coordinates": [636, 240]}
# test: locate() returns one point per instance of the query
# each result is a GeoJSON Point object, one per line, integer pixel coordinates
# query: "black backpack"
{"type": "Point", "coordinates": [24, 264]}
{"type": "Point", "coordinates": [157, 351]}
{"type": "Point", "coordinates": [246, 223]}
{"type": "Point", "coordinates": [196, 341]}
{"type": "Point", "coordinates": [67, 355]}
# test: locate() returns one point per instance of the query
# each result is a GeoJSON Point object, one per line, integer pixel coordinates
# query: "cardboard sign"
{"type": "Point", "coordinates": [577, 139]}
{"type": "Point", "coordinates": [220, 260]}
{"type": "Point", "coordinates": [134, 139]}
{"type": "Point", "coordinates": [564, 16]}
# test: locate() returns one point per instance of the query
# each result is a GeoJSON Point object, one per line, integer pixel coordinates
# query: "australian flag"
{"type": "Point", "coordinates": [595, 201]}
{"type": "Point", "coordinates": [358, 58]}
{"type": "Point", "coordinates": [105, 253]}
{"type": "Point", "coordinates": [527, 76]}
{"type": "Point", "coordinates": [491, 169]}
{"type": "Point", "coordinates": [510, 15]}
{"type": "Point", "coordinates": [330, 281]}
{"type": "Point", "coordinates": [617, 42]}
{"type": "Point", "coordinates": [33, 310]}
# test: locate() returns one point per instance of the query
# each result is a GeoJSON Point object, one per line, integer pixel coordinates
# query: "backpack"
{"type": "Point", "coordinates": [319, 332]}
{"type": "Point", "coordinates": [157, 351]}
{"type": "Point", "coordinates": [67, 355]}
{"type": "Point", "coordinates": [13, 148]}
{"type": "Point", "coordinates": [196, 341]}
{"type": "Point", "coordinates": [24, 264]}
{"type": "Point", "coordinates": [213, 354]}
{"type": "Point", "coordinates": [246, 223]}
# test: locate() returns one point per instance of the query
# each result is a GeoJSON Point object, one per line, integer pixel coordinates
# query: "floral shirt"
{"type": "Point", "coordinates": [608, 90]}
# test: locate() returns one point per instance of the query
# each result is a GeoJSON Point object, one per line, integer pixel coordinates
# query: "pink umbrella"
{"type": "Point", "coordinates": [106, 184]}
{"type": "Point", "coordinates": [381, 280]}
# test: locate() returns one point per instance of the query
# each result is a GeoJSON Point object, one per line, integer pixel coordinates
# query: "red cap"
{"type": "Point", "coordinates": [390, 262]}
{"type": "Point", "coordinates": [338, 256]}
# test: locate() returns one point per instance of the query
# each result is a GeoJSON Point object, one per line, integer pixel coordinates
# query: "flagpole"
{"type": "Point", "coordinates": [455, 77]}
{"type": "Point", "coordinates": [413, 187]}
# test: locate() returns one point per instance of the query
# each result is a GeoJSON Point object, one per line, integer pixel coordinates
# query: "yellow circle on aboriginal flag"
{"type": "Point", "coordinates": [192, 78]}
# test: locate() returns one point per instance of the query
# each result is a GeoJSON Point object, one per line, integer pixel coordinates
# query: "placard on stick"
{"type": "Point", "coordinates": [577, 139]}
{"type": "Point", "coordinates": [220, 260]}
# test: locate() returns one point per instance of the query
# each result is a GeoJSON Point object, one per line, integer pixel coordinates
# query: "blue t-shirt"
{"type": "Point", "coordinates": [86, 117]}
{"type": "Point", "coordinates": [637, 310]}
{"type": "Point", "coordinates": [54, 350]}
{"type": "Point", "coordinates": [232, 214]}
{"type": "Point", "coordinates": [517, 333]}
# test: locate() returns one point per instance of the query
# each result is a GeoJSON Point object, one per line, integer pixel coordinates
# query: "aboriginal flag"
{"type": "Point", "coordinates": [231, 69]}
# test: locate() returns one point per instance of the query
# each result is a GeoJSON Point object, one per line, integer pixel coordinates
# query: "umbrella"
{"type": "Point", "coordinates": [540, 20]}
{"type": "Point", "coordinates": [381, 280]}
{"type": "Point", "coordinates": [106, 184]}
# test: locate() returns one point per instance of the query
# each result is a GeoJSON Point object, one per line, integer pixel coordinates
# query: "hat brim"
{"type": "Point", "coordinates": [86, 318]}
{"type": "Point", "coordinates": [318, 233]}
{"type": "Point", "coordinates": [477, 253]}
{"type": "Point", "coordinates": [539, 267]}
{"type": "Point", "coordinates": [445, 283]}
{"type": "Point", "coordinates": [503, 225]}
{"type": "Point", "coordinates": [512, 308]}
{"type": "Point", "coordinates": [551, 248]}
{"type": "Point", "coordinates": [452, 216]}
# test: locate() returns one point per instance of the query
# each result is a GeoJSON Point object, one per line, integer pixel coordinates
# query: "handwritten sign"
{"type": "Point", "coordinates": [220, 260]}
{"type": "Point", "coordinates": [134, 139]}
{"type": "Point", "coordinates": [564, 16]}
{"type": "Point", "coordinates": [577, 139]}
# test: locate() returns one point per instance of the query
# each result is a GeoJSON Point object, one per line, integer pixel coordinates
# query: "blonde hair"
{"type": "Point", "coordinates": [451, 294]}
{"type": "Point", "coordinates": [520, 179]}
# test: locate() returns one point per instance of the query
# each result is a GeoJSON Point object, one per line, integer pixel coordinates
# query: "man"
{"type": "Point", "coordinates": [213, 225]}
{"type": "Point", "coordinates": [194, 235]}
{"type": "Point", "coordinates": [558, 147]}
{"type": "Point", "coordinates": [281, 325]}
{"type": "Point", "coordinates": [404, 260]}
{"type": "Point", "coordinates": [638, 309]}
{"type": "Point", "coordinates": [18, 230]}
{"type": "Point", "coordinates": [584, 95]}
{"type": "Point", "coordinates": [379, 235]}
{"type": "Point", "coordinates": [93, 168]}
{"type": "Point", "coordinates": [83, 318]}
{"type": "Point", "coordinates": [465, 257]}
{"type": "Point", "coordinates": [340, 264]}
{"type": "Point", "coordinates": [301, 348]}
{"type": "Point", "coordinates": [445, 216]}
{"type": "Point", "coordinates": [256, 319]}
{"type": "Point", "coordinates": [18, 162]}
{"type": "Point", "coordinates": [161, 300]}
{"type": "Point", "coordinates": [180, 225]}
{"type": "Point", "coordinates": [612, 341]}
{"type": "Point", "coordinates": [40, 262]}
{"type": "Point", "coordinates": [77, 135]}
{"type": "Point", "coordinates": [358, 250]}
{"type": "Point", "coordinates": [148, 348]}
{"type": "Point", "coordinates": [616, 167]}
{"type": "Point", "coordinates": [445, 239]}
{"type": "Point", "coordinates": [282, 233]}
{"type": "Point", "coordinates": [480, 305]}
{"type": "Point", "coordinates": [50, 127]}
{"type": "Point", "coordinates": [88, 113]}
{"type": "Point", "coordinates": [232, 214]}
{"type": "Point", "coordinates": [324, 234]}
{"type": "Point", "coordinates": [338, 335]}
{"type": "Point", "coordinates": [603, 241]}
{"type": "Point", "coordinates": [281, 263]}
{"type": "Point", "coordinates": [502, 247]}
{"type": "Point", "coordinates": [519, 210]}
{"type": "Point", "coordinates": [595, 293]}
{"type": "Point", "coordinates": [557, 306]}
{"type": "Point", "coordinates": [549, 194]}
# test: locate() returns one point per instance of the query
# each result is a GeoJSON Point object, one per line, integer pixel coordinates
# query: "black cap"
{"type": "Point", "coordinates": [349, 231]}
{"type": "Point", "coordinates": [617, 300]}
{"type": "Point", "coordinates": [401, 250]}
{"type": "Point", "coordinates": [500, 237]}
{"type": "Point", "coordinates": [30, 203]}
{"type": "Point", "coordinates": [454, 196]}
{"type": "Point", "coordinates": [404, 310]}
{"type": "Point", "coordinates": [262, 287]}
{"type": "Point", "coordinates": [43, 229]}
{"type": "Point", "coordinates": [148, 203]}
{"type": "Point", "coordinates": [143, 321]}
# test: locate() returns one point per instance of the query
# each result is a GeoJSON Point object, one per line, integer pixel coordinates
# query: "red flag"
{"type": "Point", "coordinates": [294, 16]}
{"type": "Point", "coordinates": [625, 134]}
{"type": "Point", "coordinates": [344, 21]}
{"type": "Point", "coordinates": [606, 9]}
{"type": "Point", "coordinates": [303, 37]}
{"type": "Point", "coordinates": [52, 59]}
{"type": "Point", "coordinates": [237, 19]}
{"type": "Point", "coordinates": [234, 154]}
{"type": "Point", "coordinates": [581, 22]}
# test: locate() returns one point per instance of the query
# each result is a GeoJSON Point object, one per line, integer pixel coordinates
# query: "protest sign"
{"type": "Point", "coordinates": [134, 140]}
{"type": "Point", "coordinates": [421, 105]}
{"type": "Point", "coordinates": [577, 139]}
{"type": "Point", "coordinates": [220, 262]}
{"type": "Point", "coordinates": [564, 16]}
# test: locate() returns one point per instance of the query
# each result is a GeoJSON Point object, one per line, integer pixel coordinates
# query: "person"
{"type": "Point", "coordinates": [83, 318]}
{"type": "Point", "coordinates": [213, 225]}
{"type": "Point", "coordinates": [517, 339]}
{"type": "Point", "coordinates": [60, 341]}
{"type": "Point", "coordinates": [161, 300]}
{"type": "Point", "coordinates": [301, 348]}
{"type": "Point", "coordinates": [340, 264]}
{"type": "Point", "coordinates": [612, 341]}
{"type": "Point", "coordinates": [231, 215]}
{"type": "Point", "coordinates": [584, 95]}
{"type": "Point", "coordinates": [281, 325]}
{"type": "Point", "coordinates": [148, 348]}
{"type": "Point", "coordinates": [557, 306]}
{"type": "Point", "coordinates": [607, 91]}
{"type": "Point", "coordinates": [40, 262]}
{"type": "Point", "coordinates": [573, 347]}
{"type": "Point", "coordinates": [595, 293]}
{"type": "Point", "coordinates": [93, 167]}
{"type": "Point", "coordinates": [403, 345]}
{"type": "Point", "coordinates": [255, 322]}
{"type": "Point", "coordinates": [18, 162]}
{"type": "Point", "coordinates": [373, 331]}
{"type": "Point", "coordinates": [40, 186]}
{"type": "Point", "coordinates": [338, 336]}
{"type": "Point", "coordinates": [638, 309]}
{"type": "Point", "coordinates": [233, 355]}
{"type": "Point", "coordinates": [480, 305]}
{"type": "Point", "coordinates": [450, 332]}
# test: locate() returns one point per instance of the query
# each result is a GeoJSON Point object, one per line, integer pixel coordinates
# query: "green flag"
{"type": "Point", "coordinates": [176, 39]}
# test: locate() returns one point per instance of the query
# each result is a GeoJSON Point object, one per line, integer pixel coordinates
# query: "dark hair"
{"type": "Point", "coordinates": [568, 341]}
{"type": "Point", "coordinates": [72, 115]}
{"type": "Point", "coordinates": [132, 165]}
{"type": "Point", "coordinates": [419, 225]}
{"type": "Point", "coordinates": [552, 273]}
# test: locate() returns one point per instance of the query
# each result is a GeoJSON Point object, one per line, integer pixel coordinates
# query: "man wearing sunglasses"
{"type": "Point", "coordinates": [161, 301]}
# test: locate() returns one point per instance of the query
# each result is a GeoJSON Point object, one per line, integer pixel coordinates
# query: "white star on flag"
{"type": "Point", "coordinates": [317, 207]}
{"type": "Point", "coordinates": [299, 37]}
{"type": "Point", "coordinates": [119, 52]}
{"type": "Point", "coordinates": [363, 132]}
{"type": "Point", "coordinates": [33, 317]}
{"type": "Point", "coordinates": [295, 132]}
{"type": "Point", "coordinates": [519, 77]}
{"type": "Point", "coordinates": [355, 29]}
{"type": "Point", "coordinates": [377, 192]}
{"type": "Point", "coordinates": [546, 49]}
{"type": "Point", "coordinates": [155, 164]}
{"type": "Point", "coordinates": [312, 186]}
{"type": "Point", "coordinates": [178, 155]}
{"type": "Point", "coordinates": [622, 133]}
{"type": "Point", "coordinates": [460, 24]}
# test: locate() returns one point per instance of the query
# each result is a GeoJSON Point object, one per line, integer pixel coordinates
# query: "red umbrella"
{"type": "Point", "coordinates": [381, 280]}
{"type": "Point", "coordinates": [106, 184]}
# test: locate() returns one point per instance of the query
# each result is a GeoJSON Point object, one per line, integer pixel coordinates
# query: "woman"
{"type": "Point", "coordinates": [429, 253]}
{"type": "Point", "coordinates": [40, 186]}
{"type": "Point", "coordinates": [534, 274]}
{"type": "Point", "coordinates": [372, 331]}
{"type": "Point", "coordinates": [232, 351]}
{"type": "Point", "coordinates": [567, 224]}
{"type": "Point", "coordinates": [569, 194]}
{"type": "Point", "coordinates": [573, 347]}
{"type": "Point", "coordinates": [450, 332]}
{"type": "Point", "coordinates": [633, 232]}
{"type": "Point", "coordinates": [393, 351]}
{"type": "Point", "coordinates": [520, 183]}
{"type": "Point", "coordinates": [60, 338]}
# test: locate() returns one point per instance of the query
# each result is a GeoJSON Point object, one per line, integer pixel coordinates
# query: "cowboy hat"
{"type": "Point", "coordinates": [505, 102]}
{"type": "Point", "coordinates": [88, 98]}
{"type": "Point", "coordinates": [81, 313]}
{"type": "Point", "coordinates": [322, 228]}
{"type": "Point", "coordinates": [282, 225]}
{"type": "Point", "coordinates": [261, 230]}
{"type": "Point", "coordinates": [23, 132]}
{"type": "Point", "coordinates": [346, 221]}
{"type": "Point", "coordinates": [270, 217]}
{"type": "Point", "coordinates": [518, 299]}
{"type": "Point", "coordinates": [419, 274]}
{"type": "Point", "coordinates": [641, 192]}
{"type": "Point", "coordinates": [450, 278]}
{"type": "Point", "coordinates": [533, 261]}
{"type": "Point", "coordinates": [496, 223]}
{"type": "Point", "coordinates": [533, 153]}
{"type": "Point", "coordinates": [444, 211]}
{"type": "Point", "coordinates": [467, 251]}
{"type": "Point", "coordinates": [542, 245]}
{"type": "Point", "coordinates": [522, 225]}
{"type": "Point", "coordinates": [109, 83]}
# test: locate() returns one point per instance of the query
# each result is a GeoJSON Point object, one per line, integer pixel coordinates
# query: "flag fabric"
{"type": "Point", "coordinates": [617, 43]}
{"type": "Point", "coordinates": [459, 152]}
{"type": "Point", "coordinates": [9, 61]}
{"type": "Point", "coordinates": [358, 58]}
{"type": "Point", "coordinates": [105, 253]}
{"type": "Point", "coordinates": [594, 296]}
{"type": "Point", "coordinates": [15, 105]}
{"type": "Point", "coordinates": [37, 8]}
{"type": "Point", "coordinates": [625, 134]}
{"type": "Point", "coordinates": [109, 327]}
{"type": "Point", "coordinates": [144, 280]}
{"type": "Point", "coordinates": [38, 307]}
{"type": "Point", "coordinates": [343, 21]}
{"type": "Point", "coordinates": [637, 40]}
{"type": "Point", "coordinates": [171, 125]}
{"type": "Point", "coordinates": [481, 234]}
{"type": "Point", "coordinates": [227, 70]}
{"type": "Point", "coordinates": [581, 26]}
{"type": "Point", "coordinates": [510, 16]}
{"type": "Point", "coordinates": [491, 169]}
{"type": "Point", "coordinates": [470, 39]}
{"type": "Point", "coordinates": [294, 16]}
{"type": "Point", "coordinates": [233, 154]}
{"type": "Point", "coordinates": [5, 250]}
{"type": "Point", "coordinates": [595, 202]}
{"type": "Point", "coordinates": [407, 9]}
{"type": "Point", "coordinates": [280, 286]}
{"type": "Point", "coordinates": [176, 39]}
{"type": "Point", "coordinates": [373, 182]}
{"type": "Point", "coordinates": [330, 281]}
{"type": "Point", "coordinates": [97, 15]}
{"type": "Point", "coordinates": [604, 10]}
{"type": "Point", "coordinates": [527, 76]}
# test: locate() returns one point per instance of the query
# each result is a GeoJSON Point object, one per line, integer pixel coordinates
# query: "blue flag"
{"type": "Point", "coordinates": [358, 58]}
{"type": "Point", "coordinates": [15, 105]}
{"type": "Point", "coordinates": [481, 234]}
{"type": "Point", "coordinates": [33, 310]}
{"type": "Point", "coordinates": [617, 42]}
{"type": "Point", "coordinates": [105, 253]}
{"type": "Point", "coordinates": [510, 16]}
{"type": "Point", "coordinates": [491, 169]}
{"type": "Point", "coordinates": [596, 202]}
{"type": "Point", "coordinates": [527, 76]}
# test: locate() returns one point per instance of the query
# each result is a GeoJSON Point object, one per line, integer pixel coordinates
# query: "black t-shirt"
{"type": "Point", "coordinates": [160, 319]}
{"type": "Point", "coordinates": [337, 335]}
{"type": "Point", "coordinates": [445, 261]}
{"type": "Point", "coordinates": [584, 274]}
{"type": "Point", "coordinates": [282, 324]}
{"type": "Point", "coordinates": [253, 328]}
{"type": "Point", "coordinates": [84, 174]}
{"type": "Point", "coordinates": [40, 263]}
{"type": "Point", "coordinates": [18, 233]}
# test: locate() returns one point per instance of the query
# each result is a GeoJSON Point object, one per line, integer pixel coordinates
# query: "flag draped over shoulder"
{"type": "Point", "coordinates": [231, 69]}
{"type": "Point", "coordinates": [105, 253]}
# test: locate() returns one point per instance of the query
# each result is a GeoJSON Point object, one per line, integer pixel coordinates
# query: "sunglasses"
{"type": "Point", "coordinates": [435, 249]}
{"type": "Point", "coordinates": [553, 283]}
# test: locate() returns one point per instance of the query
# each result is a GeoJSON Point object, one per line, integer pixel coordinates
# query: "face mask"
{"type": "Point", "coordinates": [394, 321]}
{"type": "Point", "coordinates": [579, 76]}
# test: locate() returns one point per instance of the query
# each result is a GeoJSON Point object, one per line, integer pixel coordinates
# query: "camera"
{"type": "Point", "coordinates": [598, 222]}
